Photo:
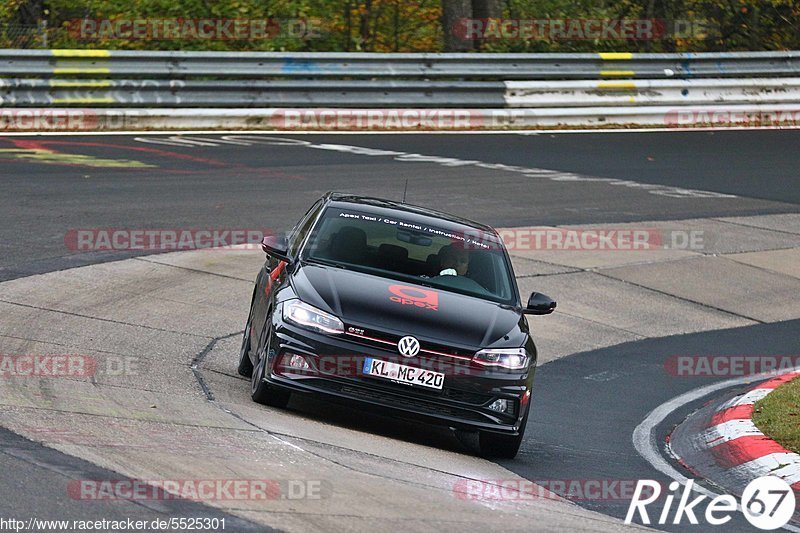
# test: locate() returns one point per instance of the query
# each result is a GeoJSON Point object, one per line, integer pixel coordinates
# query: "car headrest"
{"type": "Point", "coordinates": [392, 252]}
{"type": "Point", "coordinates": [434, 265]}
{"type": "Point", "coordinates": [349, 244]}
{"type": "Point", "coordinates": [481, 269]}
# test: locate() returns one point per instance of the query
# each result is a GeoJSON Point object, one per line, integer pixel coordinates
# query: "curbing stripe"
{"type": "Point", "coordinates": [780, 464]}
{"type": "Point", "coordinates": [747, 399]}
{"type": "Point", "coordinates": [740, 412]}
{"type": "Point", "coordinates": [741, 451]}
{"type": "Point", "coordinates": [740, 448]}
{"type": "Point", "coordinates": [728, 431]}
{"type": "Point", "coordinates": [774, 383]}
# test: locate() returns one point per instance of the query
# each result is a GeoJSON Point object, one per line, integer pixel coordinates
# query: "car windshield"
{"type": "Point", "coordinates": [466, 261]}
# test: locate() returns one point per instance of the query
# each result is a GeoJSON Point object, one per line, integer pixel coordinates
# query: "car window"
{"type": "Point", "coordinates": [300, 230]}
{"type": "Point", "coordinates": [436, 256]}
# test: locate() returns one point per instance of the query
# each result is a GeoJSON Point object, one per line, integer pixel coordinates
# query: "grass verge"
{"type": "Point", "coordinates": [778, 415]}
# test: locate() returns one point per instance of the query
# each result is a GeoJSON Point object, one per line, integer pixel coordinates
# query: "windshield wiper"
{"type": "Point", "coordinates": [325, 263]}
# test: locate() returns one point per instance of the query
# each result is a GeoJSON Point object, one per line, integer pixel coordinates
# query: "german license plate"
{"type": "Point", "coordinates": [403, 373]}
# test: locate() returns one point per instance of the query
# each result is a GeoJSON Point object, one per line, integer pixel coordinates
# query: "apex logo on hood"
{"type": "Point", "coordinates": [405, 295]}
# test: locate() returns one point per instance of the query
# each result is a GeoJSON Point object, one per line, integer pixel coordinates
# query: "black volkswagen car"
{"type": "Point", "coordinates": [399, 308]}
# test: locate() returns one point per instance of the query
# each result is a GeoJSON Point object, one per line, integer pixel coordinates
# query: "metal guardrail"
{"type": "Point", "coordinates": [250, 93]}
{"type": "Point", "coordinates": [131, 87]}
{"type": "Point", "coordinates": [260, 65]}
{"type": "Point", "coordinates": [393, 93]}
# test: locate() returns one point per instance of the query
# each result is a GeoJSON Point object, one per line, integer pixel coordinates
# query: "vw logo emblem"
{"type": "Point", "coordinates": [408, 346]}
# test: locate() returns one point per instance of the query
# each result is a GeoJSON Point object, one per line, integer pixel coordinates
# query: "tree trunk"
{"type": "Point", "coordinates": [486, 9]}
{"type": "Point", "coordinates": [452, 13]}
{"type": "Point", "coordinates": [364, 26]}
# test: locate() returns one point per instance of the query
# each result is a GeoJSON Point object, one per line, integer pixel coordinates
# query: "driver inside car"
{"type": "Point", "coordinates": [454, 261]}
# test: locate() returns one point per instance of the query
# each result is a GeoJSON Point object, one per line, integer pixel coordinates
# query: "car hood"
{"type": "Point", "coordinates": [405, 308]}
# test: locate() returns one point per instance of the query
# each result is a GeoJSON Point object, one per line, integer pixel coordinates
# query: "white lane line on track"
{"type": "Point", "coordinates": [286, 442]}
{"type": "Point", "coordinates": [527, 172]}
{"type": "Point", "coordinates": [644, 436]}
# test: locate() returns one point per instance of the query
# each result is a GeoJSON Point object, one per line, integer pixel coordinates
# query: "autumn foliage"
{"type": "Point", "coordinates": [411, 25]}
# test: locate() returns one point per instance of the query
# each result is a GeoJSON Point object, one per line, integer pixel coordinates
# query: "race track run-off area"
{"type": "Point", "coordinates": [153, 338]}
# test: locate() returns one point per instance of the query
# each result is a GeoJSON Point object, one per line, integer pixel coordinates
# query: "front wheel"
{"type": "Point", "coordinates": [261, 391]}
{"type": "Point", "coordinates": [501, 446]}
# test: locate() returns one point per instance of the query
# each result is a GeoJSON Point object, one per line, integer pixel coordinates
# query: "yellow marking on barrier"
{"type": "Point", "coordinates": [79, 83]}
{"type": "Point", "coordinates": [72, 70]}
{"type": "Point", "coordinates": [621, 85]}
{"type": "Point", "coordinates": [617, 73]}
{"type": "Point", "coordinates": [80, 53]}
{"type": "Point", "coordinates": [87, 100]}
{"type": "Point", "coordinates": [615, 56]}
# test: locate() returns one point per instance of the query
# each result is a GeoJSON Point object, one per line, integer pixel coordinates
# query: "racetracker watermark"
{"type": "Point", "coordinates": [180, 239]}
{"type": "Point", "coordinates": [729, 365]}
{"type": "Point", "coordinates": [721, 118]}
{"type": "Point", "coordinates": [573, 29]}
{"type": "Point", "coordinates": [203, 29]}
{"type": "Point", "coordinates": [175, 523]}
{"type": "Point", "coordinates": [545, 489]}
{"type": "Point", "coordinates": [34, 119]}
{"type": "Point", "coordinates": [66, 366]}
{"type": "Point", "coordinates": [47, 366]}
{"type": "Point", "coordinates": [208, 490]}
{"type": "Point", "coordinates": [599, 239]}
{"type": "Point", "coordinates": [377, 119]}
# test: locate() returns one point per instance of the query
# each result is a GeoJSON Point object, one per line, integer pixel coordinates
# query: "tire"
{"type": "Point", "coordinates": [260, 390]}
{"type": "Point", "coordinates": [501, 446]}
{"type": "Point", "coordinates": [245, 364]}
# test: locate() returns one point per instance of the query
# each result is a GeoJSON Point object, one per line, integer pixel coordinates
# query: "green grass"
{"type": "Point", "coordinates": [778, 415]}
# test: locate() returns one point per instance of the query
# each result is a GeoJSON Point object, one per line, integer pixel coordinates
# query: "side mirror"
{"type": "Point", "coordinates": [276, 246]}
{"type": "Point", "coordinates": [539, 304]}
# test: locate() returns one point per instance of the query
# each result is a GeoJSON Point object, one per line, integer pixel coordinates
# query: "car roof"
{"type": "Point", "coordinates": [373, 204]}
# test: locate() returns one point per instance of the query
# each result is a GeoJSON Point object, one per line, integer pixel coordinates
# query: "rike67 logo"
{"type": "Point", "coordinates": [767, 503]}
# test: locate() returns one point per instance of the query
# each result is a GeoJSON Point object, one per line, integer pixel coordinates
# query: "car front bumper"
{"type": "Point", "coordinates": [335, 371]}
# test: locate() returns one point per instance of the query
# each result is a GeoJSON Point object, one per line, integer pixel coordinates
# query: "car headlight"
{"type": "Point", "coordinates": [510, 358]}
{"type": "Point", "coordinates": [308, 316]}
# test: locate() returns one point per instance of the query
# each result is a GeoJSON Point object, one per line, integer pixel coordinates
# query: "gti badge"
{"type": "Point", "coordinates": [408, 346]}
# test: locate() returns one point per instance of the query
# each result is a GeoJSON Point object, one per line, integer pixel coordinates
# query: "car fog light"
{"type": "Point", "coordinates": [298, 361]}
{"type": "Point", "coordinates": [501, 406]}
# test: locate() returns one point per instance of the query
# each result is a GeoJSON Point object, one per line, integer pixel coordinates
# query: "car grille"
{"type": "Point", "coordinates": [457, 395]}
{"type": "Point", "coordinates": [400, 400]}
{"type": "Point", "coordinates": [383, 340]}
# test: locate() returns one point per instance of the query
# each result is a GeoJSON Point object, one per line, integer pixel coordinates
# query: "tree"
{"type": "Point", "coordinates": [455, 13]}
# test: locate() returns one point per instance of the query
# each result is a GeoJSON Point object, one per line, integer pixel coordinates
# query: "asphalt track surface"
{"type": "Point", "coordinates": [266, 186]}
{"type": "Point", "coordinates": [573, 394]}
{"type": "Point", "coordinates": [36, 480]}
{"type": "Point", "coordinates": [581, 424]}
